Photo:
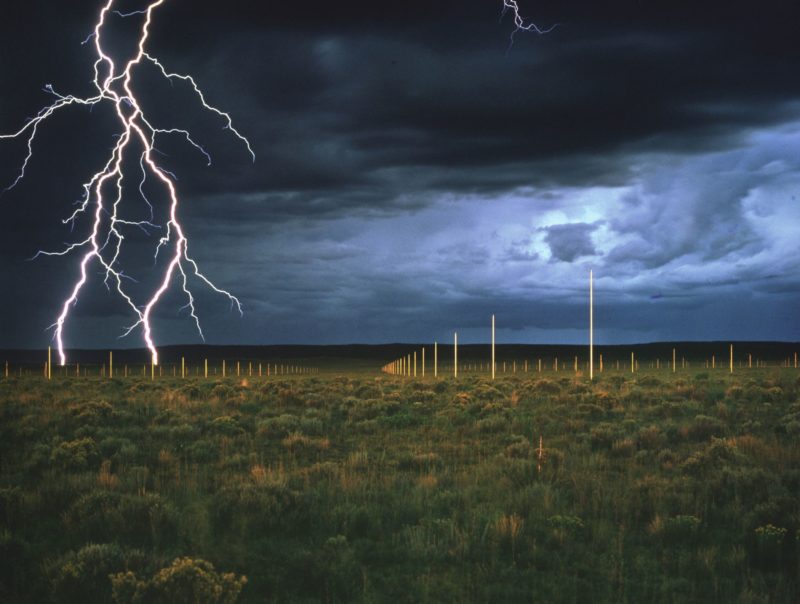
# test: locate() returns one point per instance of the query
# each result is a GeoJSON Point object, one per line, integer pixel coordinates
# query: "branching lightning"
{"type": "Point", "coordinates": [103, 192]}
{"type": "Point", "coordinates": [520, 24]}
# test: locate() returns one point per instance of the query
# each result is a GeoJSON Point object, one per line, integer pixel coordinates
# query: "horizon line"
{"type": "Point", "coordinates": [382, 344]}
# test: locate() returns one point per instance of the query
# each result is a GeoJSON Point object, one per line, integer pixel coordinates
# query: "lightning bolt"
{"type": "Point", "coordinates": [520, 24]}
{"type": "Point", "coordinates": [103, 192]}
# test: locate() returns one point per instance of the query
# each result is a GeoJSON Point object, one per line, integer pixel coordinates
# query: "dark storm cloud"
{"type": "Point", "coordinates": [570, 241]}
{"type": "Point", "coordinates": [335, 106]}
{"type": "Point", "coordinates": [413, 167]}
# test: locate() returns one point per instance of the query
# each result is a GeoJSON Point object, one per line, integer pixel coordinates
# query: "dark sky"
{"type": "Point", "coordinates": [415, 174]}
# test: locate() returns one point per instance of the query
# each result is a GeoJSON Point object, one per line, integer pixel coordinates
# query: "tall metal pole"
{"type": "Point", "coordinates": [493, 357]}
{"type": "Point", "coordinates": [455, 354]}
{"type": "Point", "coordinates": [591, 326]}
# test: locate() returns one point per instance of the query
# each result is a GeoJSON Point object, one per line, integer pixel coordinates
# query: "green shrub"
{"type": "Point", "coordinates": [225, 425]}
{"type": "Point", "coordinates": [602, 436]}
{"type": "Point", "coordinates": [77, 454]}
{"type": "Point", "coordinates": [185, 580]}
{"type": "Point", "coordinates": [83, 576]}
{"type": "Point", "coordinates": [704, 427]}
{"type": "Point", "coordinates": [518, 447]}
{"type": "Point", "coordinates": [565, 527]}
{"type": "Point", "coordinates": [625, 447]}
{"type": "Point", "coordinates": [203, 451]}
{"type": "Point", "coordinates": [590, 410]}
{"type": "Point", "coordinates": [278, 427]}
{"type": "Point", "coordinates": [493, 423]}
{"type": "Point", "coordinates": [681, 529]}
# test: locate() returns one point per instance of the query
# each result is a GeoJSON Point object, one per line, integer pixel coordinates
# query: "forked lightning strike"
{"type": "Point", "coordinates": [519, 21]}
{"type": "Point", "coordinates": [104, 245]}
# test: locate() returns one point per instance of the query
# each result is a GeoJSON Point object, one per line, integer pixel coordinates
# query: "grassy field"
{"type": "Point", "coordinates": [365, 487]}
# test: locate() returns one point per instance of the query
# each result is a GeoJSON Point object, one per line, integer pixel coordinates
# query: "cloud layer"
{"type": "Point", "coordinates": [415, 174]}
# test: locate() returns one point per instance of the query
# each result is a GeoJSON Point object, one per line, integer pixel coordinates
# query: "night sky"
{"type": "Point", "coordinates": [415, 174]}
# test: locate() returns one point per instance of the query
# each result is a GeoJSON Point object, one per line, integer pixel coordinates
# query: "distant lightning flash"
{"type": "Point", "coordinates": [104, 245]}
{"type": "Point", "coordinates": [520, 24]}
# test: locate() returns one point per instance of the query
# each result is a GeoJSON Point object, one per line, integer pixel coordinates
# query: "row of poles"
{"type": "Point", "coordinates": [407, 364]}
{"type": "Point", "coordinates": [251, 370]}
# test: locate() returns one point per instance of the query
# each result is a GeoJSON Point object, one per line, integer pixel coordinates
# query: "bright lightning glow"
{"type": "Point", "coordinates": [104, 244]}
{"type": "Point", "coordinates": [519, 21]}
